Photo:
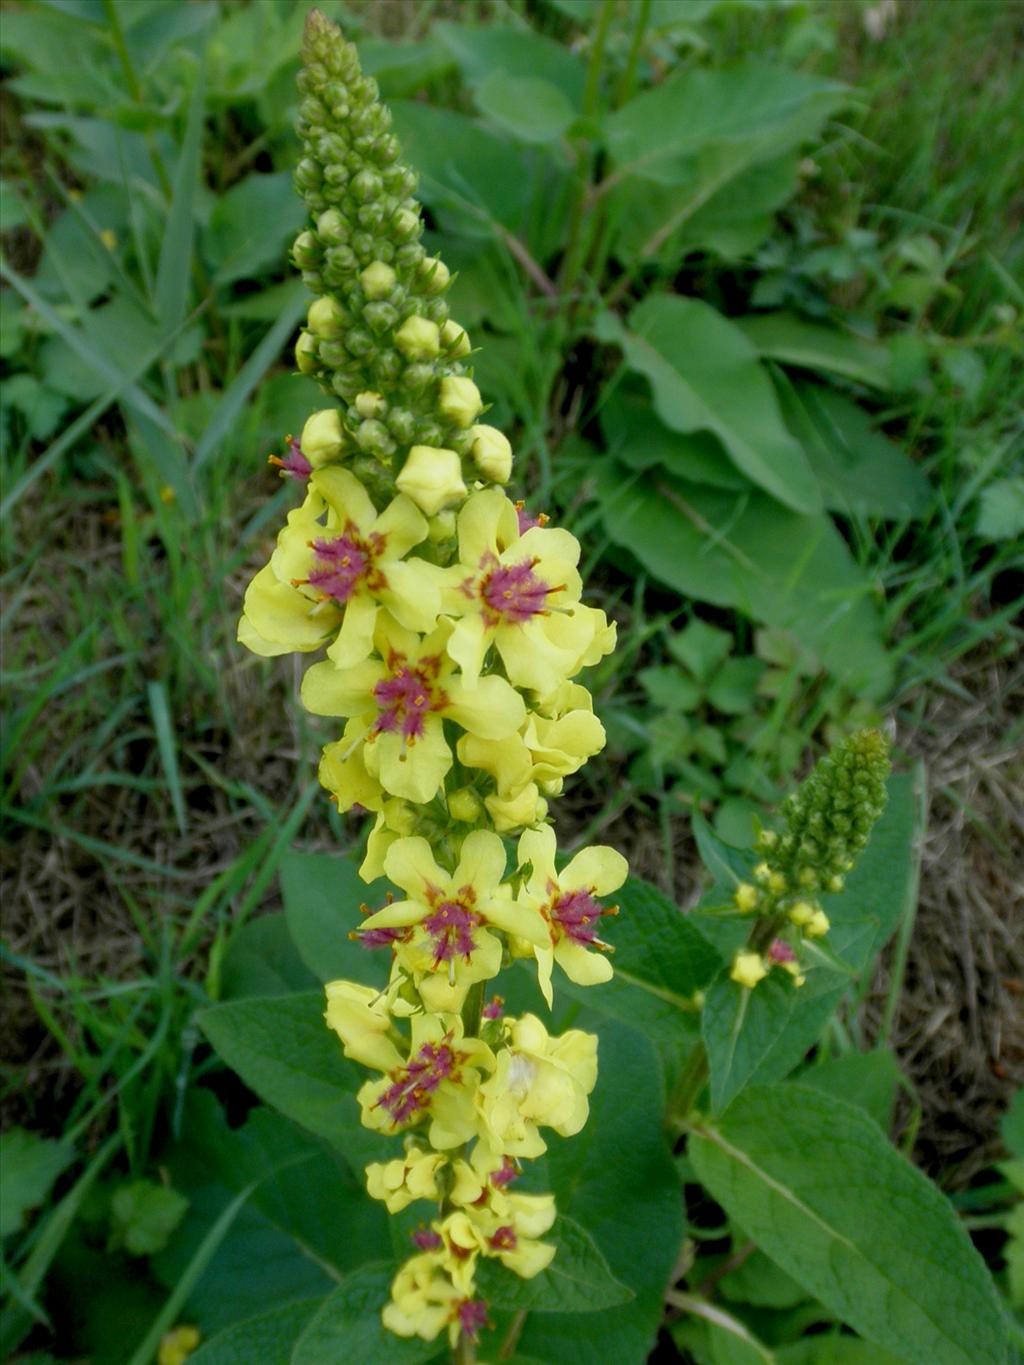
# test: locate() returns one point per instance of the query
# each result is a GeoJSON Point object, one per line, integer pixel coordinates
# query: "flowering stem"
{"type": "Point", "coordinates": [472, 1010]}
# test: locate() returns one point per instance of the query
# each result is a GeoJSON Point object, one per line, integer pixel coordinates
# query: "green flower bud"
{"type": "Point", "coordinates": [459, 400]}
{"type": "Point", "coordinates": [434, 275]}
{"type": "Point", "coordinates": [380, 317]}
{"type": "Point", "coordinates": [405, 225]}
{"type": "Point", "coordinates": [323, 438]}
{"type": "Point", "coordinates": [465, 805]}
{"type": "Point", "coordinates": [441, 528]}
{"type": "Point", "coordinates": [326, 317]}
{"type": "Point", "coordinates": [492, 453]}
{"type": "Point", "coordinates": [432, 478]}
{"type": "Point", "coordinates": [359, 341]}
{"type": "Point", "coordinates": [402, 425]}
{"type": "Point", "coordinates": [455, 339]}
{"type": "Point", "coordinates": [373, 437]}
{"type": "Point", "coordinates": [370, 404]}
{"type": "Point", "coordinates": [377, 280]}
{"type": "Point", "coordinates": [306, 251]}
{"type": "Point", "coordinates": [418, 339]}
{"type": "Point", "coordinates": [331, 228]}
{"type": "Point", "coordinates": [305, 353]}
{"type": "Point", "coordinates": [418, 376]}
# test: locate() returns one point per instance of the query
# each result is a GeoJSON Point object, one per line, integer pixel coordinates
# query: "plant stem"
{"type": "Point", "coordinates": [575, 251]}
{"type": "Point", "coordinates": [688, 1086]}
{"type": "Point", "coordinates": [629, 75]}
{"type": "Point", "coordinates": [465, 1352]}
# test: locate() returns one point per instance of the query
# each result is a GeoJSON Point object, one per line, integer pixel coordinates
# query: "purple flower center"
{"type": "Point", "coordinates": [450, 924]}
{"type": "Point", "coordinates": [472, 1316]}
{"type": "Point", "coordinates": [507, 1172]}
{"type": "Point", "coordinates": [780, 951]}
{"type": "Point", "coordinates": [575, 915]}
{"type": "Point", "coordinates": [413, 1085]}
{"type": "Point", "coordinates": [512, 593]}
{"type": "Point", "coordinates": [346, 563]}
{"type": "Point", "coordinates": [294, 465]}
{"type": "Point", "coordinates": [380, 938]}
{"type": "Point", "coordinates": [426, 1239]}
{"type": "Point", "coordinates": [504, 1239]}
{"type": "Point", "coordinates": [495, 1008]}
{"type": "Point", "coordinates": [406, 698]}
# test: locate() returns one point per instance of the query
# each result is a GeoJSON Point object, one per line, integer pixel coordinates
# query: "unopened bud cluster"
{"type": "Point", "coordinates": [828, 821]}
{"type": "Point", "coordinates": [379, 336]}
{"type": "Point", "coordinates": [451, 629]}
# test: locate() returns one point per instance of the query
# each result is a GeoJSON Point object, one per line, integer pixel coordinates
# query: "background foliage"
{"type": "Point", "coordinates": [746, 282]}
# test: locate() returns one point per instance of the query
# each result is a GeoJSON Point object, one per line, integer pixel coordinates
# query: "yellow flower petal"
{"type": "Point", "coordinates": [600, 869]}
{"type": "Point", "coordinates": [328, 690]}
{"type": "Point", "coordinates": [410, 864]}
{"type": "Point", "coordinates": [492, 710]}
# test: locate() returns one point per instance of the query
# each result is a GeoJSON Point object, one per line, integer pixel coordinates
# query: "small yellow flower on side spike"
{"type": "Point", "coordinates": [746, 898]}
{"type": "Point", "coordinates": [360, 1017]}
{"type": "Point", "coordinates": [178, 1344]}
{"type": "Point", "coordinates": [492, 453]}
{"type": "Point", "coordinates": [400, 1182]}
{"type": "Point", "coordinates": [748, 969]}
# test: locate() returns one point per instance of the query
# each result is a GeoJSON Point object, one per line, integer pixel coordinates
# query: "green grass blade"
{"type": "Point", "coordinates": [172, 275]}
{"type": "Point", "coordinates": [168, 1315]}
{"type": "Point", "coordinates": [167, 745]}
{"type": "Point", "coordinates": [237, 393]}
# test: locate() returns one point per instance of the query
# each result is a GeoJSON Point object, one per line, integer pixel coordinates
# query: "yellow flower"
{"type": "Point", "coordinates": [178, 1344]}
{"type": "Point", "coordinates": [401, 701]}
{"type": "Point", "coordinates": [748, 969]}
{"type": "Point", "coordinates": [567, 903]}
{"type": "Point", "coordinates": [344, 773]}
{"type": "Point", "coordinates": [437, 1084]}
{"type": "Point", "coordinates": [323, 438]}
{"type": "Point", "coordinates": [418, 338]}
{"type": "Point", "coordinates": [395, 819]}
{"type": "Point", "coordinates": [746, 897]}
{"type": "Point", "coordinates": [378, 280]}
{"type": "Point", "coordinates": [424, 1301]}
{"type": "Point", "coordinates": [453, 913]}
{"type": "Point", "coordinates": [359, 1015]}
{"type": "Point", "coordinates": [338, 572]}
{"type": "Point", "coordinates": [537, 1081]}
{"type": "Point", "coordinates": [555, 740]}
{"type": "Point", "coordinates": [515, 592]}
{"type": "Point", "coordinates": [432, 477]}
{"type": "Point", "coordinates": [400, 1182]}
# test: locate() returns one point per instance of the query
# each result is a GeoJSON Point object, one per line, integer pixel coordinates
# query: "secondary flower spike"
{"type": "Point", "coordinates": [449, 630]}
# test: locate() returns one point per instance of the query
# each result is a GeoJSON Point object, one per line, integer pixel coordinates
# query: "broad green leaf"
{"type": "Point", "coordinates": [702, 648]}
{"type": "Point", "coordinates": [764, 1033]}
{"type": "Point", "coordinates": [860, 470]}
{"type": "Point", "coordinates": [263, 960]}
{"type": "Point", "coordinates": [713, 1336]}
{"type": "Point", "coordinates": [866, 1079]}
{"type": "Point", "coordinates": [31, 1166]}
{"type": "Point", "coordinates": [813, 1181]}
{"type": "Point", "coordinates": [400, 69]}
{"type": "Point", "coordinates": [724, 210]}
{"type": "Point", "coordinates": [751, 111]}
{"type": "Point", "coordinates": [1001, 510]}
{"type": "Point", "coordinates": [786, 570]}
{"type": "Point", "coordinates": [532, 110]}
{"type": "Point", "coordinates": [1011, 1125]}
{"type": "Point", "coordinates": [41, 408]}
{"type": "Point", "coordinates": [705, 376]}
{"type": "Point", "coordinates": [482, 50]}
{"type": "Point", "coordinates": [322, 895]}
{"type": "Point", "coordinates": [733, 689]}
{"type": "Point", "coordinates": [636, 436]}
{"type": "Point", "coordinates": [250, 226]}
{"type": "Point", "coordinates": [616, 1179]}
{"type": "Point", "coordinates": [75, 261]}
{"type": "Point", "coordinates": [471, 177]}
{"type": "Point", "coordinates": [282, 1049]}
{"type": "Point", "coordinates": [577, 1280]}
{"type": "Point", "coordinates": [829, 1348]}
{"type": "Point", "coordinates": [308, 1222]}
{"type": "Point", "coordinates": [347, 1326]}
{"type": "Point", "coordinates": [757, 1280]}
{"type": "Point", "coordinates": [267, 1338]}
{"type": "Point", "coordinates": [814, 346]}
{"type": "Point", "coordinates": [143, 1215]}
{"type": "Point", "coordinates": [727, 865]}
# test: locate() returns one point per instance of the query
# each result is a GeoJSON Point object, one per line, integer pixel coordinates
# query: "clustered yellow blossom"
{"type": "Point", "coordinates": [450, 630]}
